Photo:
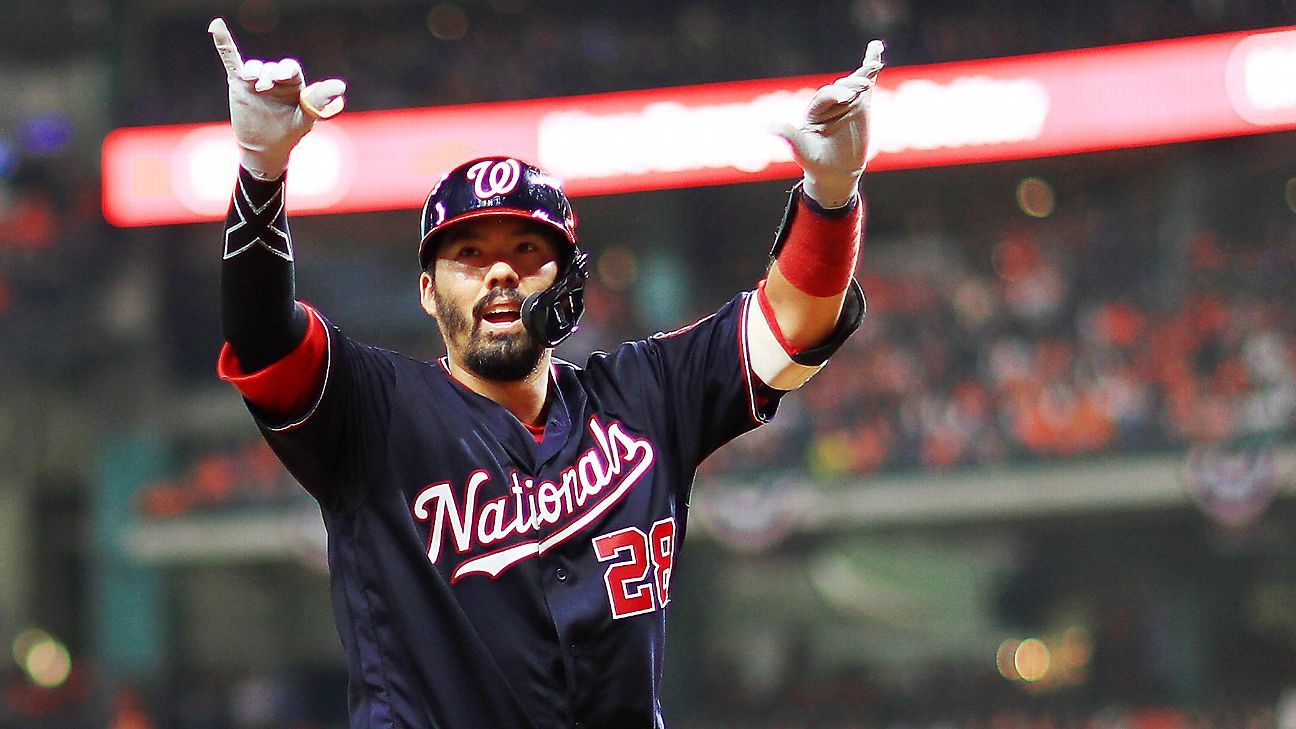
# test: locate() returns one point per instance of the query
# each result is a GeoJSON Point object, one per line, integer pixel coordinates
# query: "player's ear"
{"type": "Point", "coordinates": [427, 297]}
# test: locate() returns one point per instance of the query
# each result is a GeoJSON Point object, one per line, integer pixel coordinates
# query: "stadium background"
{"type": "Point", "coordinates": [992, 510]}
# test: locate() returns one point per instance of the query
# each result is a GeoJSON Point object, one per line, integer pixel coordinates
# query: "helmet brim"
{"type": "Point", "coordinates": [428, 246]}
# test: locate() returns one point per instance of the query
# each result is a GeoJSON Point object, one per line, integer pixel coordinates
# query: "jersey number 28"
{"type": "Point", "coordinates": [629, 590]}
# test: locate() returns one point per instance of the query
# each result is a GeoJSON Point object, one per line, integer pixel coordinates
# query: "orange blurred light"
{"type": "Point", "coordinates": [49, 664]}
{"type": "Point", "coordinates": [45, 660]}
{"type": "Point", "coordinates": [1035, 197]}
{"type": "Point", "coordinates": [618, 268]}
{"type": "Point", "coordinates": [1032, 660]}
{"type": "Point", "coordinates": [1005, 659]}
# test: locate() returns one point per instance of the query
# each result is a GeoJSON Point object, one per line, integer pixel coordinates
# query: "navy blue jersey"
{"type": "Point", "coordinates": [483, 580]}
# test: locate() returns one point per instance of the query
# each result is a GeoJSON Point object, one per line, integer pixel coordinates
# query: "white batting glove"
{"type": "Point", "coordinates": [831, 143]}
{"type": "Point", "coordinates": [271, 107]}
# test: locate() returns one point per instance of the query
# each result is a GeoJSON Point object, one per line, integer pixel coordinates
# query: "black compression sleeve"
{"type": "Point", "coordinates": [259, 313]}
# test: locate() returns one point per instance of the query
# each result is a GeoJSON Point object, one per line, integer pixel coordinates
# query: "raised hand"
{"type": "Point", "coordinates": [271, 107]}
{"type": "Point", "coordinates": [831, 143]}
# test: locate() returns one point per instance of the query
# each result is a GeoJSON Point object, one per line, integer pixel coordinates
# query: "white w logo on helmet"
{"type": "Point", "coordinates": [494, 177]}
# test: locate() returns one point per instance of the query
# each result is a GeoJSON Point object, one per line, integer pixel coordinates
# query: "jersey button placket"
{"type": "Point", "coordinates": [561, 574]}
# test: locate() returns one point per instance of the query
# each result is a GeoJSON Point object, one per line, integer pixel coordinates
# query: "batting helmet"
{"type": "Point", "coordinates": [508, 186]}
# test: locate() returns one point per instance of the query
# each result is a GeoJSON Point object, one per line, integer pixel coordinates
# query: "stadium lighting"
{"type": "Point", "coordinates": [942, 114]}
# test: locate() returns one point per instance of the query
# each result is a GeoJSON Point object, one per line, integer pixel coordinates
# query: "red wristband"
{"type": "Point", "coordinates": [818, 256]}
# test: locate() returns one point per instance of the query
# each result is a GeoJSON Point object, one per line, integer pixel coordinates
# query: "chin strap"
{"type": "Point", "coordinates": [552, 315]}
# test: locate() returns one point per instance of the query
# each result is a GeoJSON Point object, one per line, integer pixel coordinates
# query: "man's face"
{"type": "Point", "coordinates": [483, 271]}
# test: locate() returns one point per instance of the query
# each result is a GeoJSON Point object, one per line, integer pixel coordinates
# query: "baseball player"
{"type": "Point", "coordinates": [503, 525]}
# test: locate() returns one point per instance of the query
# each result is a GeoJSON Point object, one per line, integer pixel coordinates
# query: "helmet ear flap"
{"type": "Point", "coordinates": [552, 315]}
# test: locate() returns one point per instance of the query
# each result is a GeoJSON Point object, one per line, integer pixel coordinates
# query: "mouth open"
{"type": "Point", "coordinates": [502, 317]}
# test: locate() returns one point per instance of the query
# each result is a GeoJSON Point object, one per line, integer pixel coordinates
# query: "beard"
{"type": "Point", "coordinates": [502, 357]}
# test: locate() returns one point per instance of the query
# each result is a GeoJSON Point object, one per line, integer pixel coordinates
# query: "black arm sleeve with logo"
{"type": "Point", "coordinates": [260, 317]}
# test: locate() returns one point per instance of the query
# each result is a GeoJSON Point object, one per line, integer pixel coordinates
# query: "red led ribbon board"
{"type": "Point", "coordinates": [924, 116]}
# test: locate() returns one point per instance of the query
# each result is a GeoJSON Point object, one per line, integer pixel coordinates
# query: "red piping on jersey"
{"type": "Point", "coordinates": [288, 387]}
{"type": "Point", "coordinates": [818, 257]}
{"type": "Point", "coordinates": [767, 309]}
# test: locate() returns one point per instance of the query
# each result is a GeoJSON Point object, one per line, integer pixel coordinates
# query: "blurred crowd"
{"type": "Point", "coordinates": [1064, 339]}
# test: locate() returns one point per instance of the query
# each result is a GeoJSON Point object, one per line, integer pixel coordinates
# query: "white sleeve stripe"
{"type": "Point", "coordinates": [745, 360]}
{"type": "Point", "coordinates": [766, 356]}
